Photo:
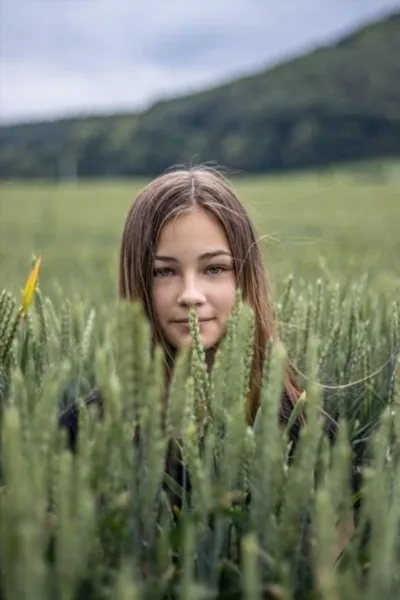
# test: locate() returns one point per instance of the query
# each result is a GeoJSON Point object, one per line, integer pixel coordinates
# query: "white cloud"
{"type": "Point", "coordinates": [39, 91]}
{"type": "Point", "coordinates": [101, 55]}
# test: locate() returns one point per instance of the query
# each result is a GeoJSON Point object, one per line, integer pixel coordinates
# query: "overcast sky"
{"type": "Point", "coordinates": [61, 57]}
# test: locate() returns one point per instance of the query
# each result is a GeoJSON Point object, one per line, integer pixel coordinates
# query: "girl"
{"type": "Point", "coordinates": [188, 242]}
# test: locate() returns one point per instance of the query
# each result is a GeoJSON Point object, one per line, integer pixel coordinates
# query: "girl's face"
{"type": "Point", "coordinates": [193, 267]}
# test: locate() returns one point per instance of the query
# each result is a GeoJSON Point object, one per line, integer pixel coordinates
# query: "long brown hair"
{"type": "Point", "coordinates": [166, 197]}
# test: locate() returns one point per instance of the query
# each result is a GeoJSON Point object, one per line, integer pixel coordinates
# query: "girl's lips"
{"type": "Point", "coordinates": [186, 322]}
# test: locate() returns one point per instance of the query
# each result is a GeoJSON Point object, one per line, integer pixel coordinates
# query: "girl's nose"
{"type": "Point", "coordinates": [191, 294]}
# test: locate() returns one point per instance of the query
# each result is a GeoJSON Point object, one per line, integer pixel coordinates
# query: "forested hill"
{"type": "Point", "coordinates": [338, 103]}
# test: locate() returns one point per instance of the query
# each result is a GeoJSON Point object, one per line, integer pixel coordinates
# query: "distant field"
{"type": "Point", "coordinates": [340, 225]}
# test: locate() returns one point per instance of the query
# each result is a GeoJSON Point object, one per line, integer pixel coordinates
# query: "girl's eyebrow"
{"type": "Point", "coordinates": [201, 257]}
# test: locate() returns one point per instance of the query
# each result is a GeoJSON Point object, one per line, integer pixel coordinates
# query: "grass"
{"type": "Point", "coordinates": [340, 225]}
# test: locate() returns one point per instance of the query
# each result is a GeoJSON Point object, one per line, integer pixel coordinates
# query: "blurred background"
{"type": "Point", "coordinates": [298, 103]}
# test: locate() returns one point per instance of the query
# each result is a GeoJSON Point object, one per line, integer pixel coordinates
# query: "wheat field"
{"type": "Point", "coordinates": [341, 225]}
{"type": "Point", "coordinates": [69, 528]}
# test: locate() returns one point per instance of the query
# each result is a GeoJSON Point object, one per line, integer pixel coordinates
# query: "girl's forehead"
{"type": "Point", "coordinates": [192, 229]}
{"type": "Point", "coordinates": [193, 219]}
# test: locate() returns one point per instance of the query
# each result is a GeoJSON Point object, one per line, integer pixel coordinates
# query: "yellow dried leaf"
{"type": "Point", "coordinates": [30, 287]}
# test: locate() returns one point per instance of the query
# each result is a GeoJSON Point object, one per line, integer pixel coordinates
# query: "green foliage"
{"type": "Point", "coordinates": [335, 104]}
{"type": "Point", "coordinates": [100, 523]}
{"type": "Point", "coordinates": [336, 227]}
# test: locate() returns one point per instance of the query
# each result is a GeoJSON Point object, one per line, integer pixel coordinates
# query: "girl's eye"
{"type": "Point", "coordinates": [162, 272]}
{"type": "Point", "coordinates": [167, 271]}
{"type": "Point", "coordinates": [216, 269]}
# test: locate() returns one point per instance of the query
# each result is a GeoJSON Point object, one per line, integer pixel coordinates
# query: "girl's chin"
{"type": "Point", "coordinates": [186, 341]}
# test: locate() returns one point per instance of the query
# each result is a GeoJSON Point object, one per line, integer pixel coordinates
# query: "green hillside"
{"type": "Point", "coordinates": [338, 103]}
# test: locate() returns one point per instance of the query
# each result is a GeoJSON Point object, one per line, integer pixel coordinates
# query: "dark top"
{"type": "Point", "coordinates": [173, 465]}
{"type": "Point", "coordinates": [69, 419]}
